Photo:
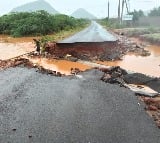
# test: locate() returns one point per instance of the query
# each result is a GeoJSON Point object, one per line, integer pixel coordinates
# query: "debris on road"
{"type": "Point", "coordinates": [141, 90]}
{"type": "Point", "coordinates": [153, 108]}
{"type": "Point", "coordinates": [147, 88]}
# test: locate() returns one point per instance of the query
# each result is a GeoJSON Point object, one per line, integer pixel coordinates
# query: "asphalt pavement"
{"type": "Point", "coordinates": [94, 33]}
{"type": "Point", "coordinates": [39, 108]}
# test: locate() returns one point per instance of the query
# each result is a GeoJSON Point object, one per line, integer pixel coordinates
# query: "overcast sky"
{"type": "Point", "coordinates": [96, 7]}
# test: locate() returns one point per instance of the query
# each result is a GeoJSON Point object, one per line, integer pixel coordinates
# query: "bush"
{"type": "Point", "coordinates": [37, 23]}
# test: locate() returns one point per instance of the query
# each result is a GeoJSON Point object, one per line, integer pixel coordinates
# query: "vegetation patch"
{"type": "Point", "coordinates": [153, 38]}
{"type": "Point", "coordinates": [37, 23]}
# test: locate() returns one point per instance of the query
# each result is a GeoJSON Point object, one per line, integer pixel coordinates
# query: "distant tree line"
{"type": "Point", "coordinates": [155, 12]}
{"type": "Point", "coordinates": [137, 14]}
{"type": "Point", "coordinates": [37, 23]}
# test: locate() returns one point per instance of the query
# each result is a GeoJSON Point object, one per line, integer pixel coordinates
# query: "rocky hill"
{"type": "Point", "coordinates": [82, 13]}
{"type": "Point", "coordinates": [34, 6]}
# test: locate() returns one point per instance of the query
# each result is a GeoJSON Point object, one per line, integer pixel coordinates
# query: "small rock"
{"type": "Point", "coordinates": [30, 136]}
{"type": "Point", "coordinates": [152, 108]}
{"type": "Point", "coordinates": [105, 70]}
{"type": "Point", "coordinates": [14, 130]}
{"type": "Point", "coordinates": [59, 74]}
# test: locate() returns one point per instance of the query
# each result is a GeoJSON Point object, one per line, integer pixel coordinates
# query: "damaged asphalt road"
{"type": "Point", "coordinates": [38, 108]}
{"type": "Point", "coordinates": [94, 33]}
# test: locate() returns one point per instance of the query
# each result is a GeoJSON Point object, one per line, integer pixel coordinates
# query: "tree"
{"type": "Point", "coordinates": [137, 15]}
{"type": "Point", "coordinates": [155, 12]}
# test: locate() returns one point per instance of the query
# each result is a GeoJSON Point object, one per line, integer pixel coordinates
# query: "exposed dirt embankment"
{"type": "Point", "coordinates": [96, 50]}
{"type": "Point", "coordinates": [89, 51]}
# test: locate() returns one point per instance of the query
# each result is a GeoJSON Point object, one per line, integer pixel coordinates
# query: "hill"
{"type": "Point", "coordinates": [34, 6]}
{"type": "Point", "coordinates": [82, 13]}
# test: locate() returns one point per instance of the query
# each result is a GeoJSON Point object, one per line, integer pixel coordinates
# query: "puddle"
{"type": "Point", "coordinates": [149, 65]}
{"type": "Point", "coordinates": [61, 66]}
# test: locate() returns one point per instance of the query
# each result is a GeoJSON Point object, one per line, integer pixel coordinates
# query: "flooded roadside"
{"type": "Point", "coordinates": [9, 39]}
{"type": "Point", "coordinates": [11, 50]}
{"type": "Point", "coordinates": [149, 65]}
{"type": "Point", "coordinates": [12, 47]}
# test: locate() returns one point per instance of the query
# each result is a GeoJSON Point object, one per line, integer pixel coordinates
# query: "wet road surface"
{"type": "Point", "coordinates": [38, 108]}
{"type": "Point", "coordinates": [94, 33]}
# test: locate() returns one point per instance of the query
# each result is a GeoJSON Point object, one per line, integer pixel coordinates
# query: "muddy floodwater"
{"type": "Point", "coordinates": [61, 66]}
{"type": "Point", "coordinates": [9, 39]}
{"type": "Point", "coordinates": [13, 47]}
{"type": "Point", "coordinates": [11, 50]}
{"type": "Point", "coordinates": [149, 65]}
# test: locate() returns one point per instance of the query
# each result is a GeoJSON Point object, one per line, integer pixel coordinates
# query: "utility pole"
{"type": "Point", "coordinates": [108, 10]}
{"type": "Point", "coordinates": [127, 6]}
{"type": "Point", "coordinates": [122, 11]}
{"type": "Point", "coordinates": [119, 10]}
{"type": "Point", "coordinates": [124, 2]}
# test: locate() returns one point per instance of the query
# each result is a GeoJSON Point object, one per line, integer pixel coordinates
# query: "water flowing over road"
{"type": "Point", "coordinates": [93, 33]}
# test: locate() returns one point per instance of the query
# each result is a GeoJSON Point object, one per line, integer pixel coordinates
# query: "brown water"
{"type": "Point", "coordinates": [62, 66]}
{"type": "Point", "coordinates": [11, 50]}
{"type": "Point", "coordinates": [9, 39]}
{"type": "Point", "coordinates": [149, 65]}
{"type": "Point", "coordinates": [12, 47]}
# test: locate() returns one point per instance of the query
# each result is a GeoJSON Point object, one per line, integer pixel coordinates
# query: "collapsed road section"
{"type": "Point", "coordinates": [93, 43]}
